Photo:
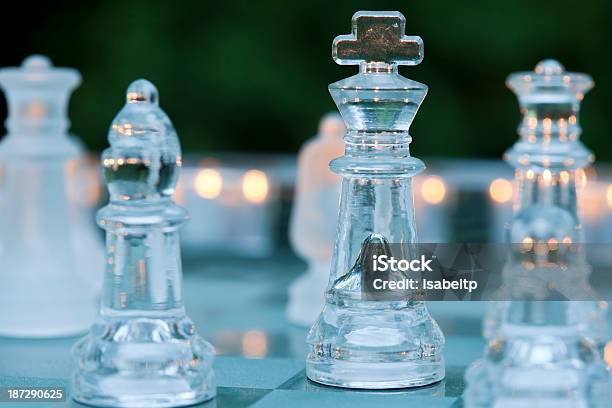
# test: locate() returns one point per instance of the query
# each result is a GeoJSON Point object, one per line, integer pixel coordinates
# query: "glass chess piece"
{"type": "Point", "coordinates": [312, 228]}
{"type": "Point", "coordinates": [544, 352]}
{"type": "Point", "coordinates": [547, 158]}
{"type": "Point", "coordinates": [358, 342]}
{"type": "Point", "coordinates": [143, 351]}
{"type": "Point", "coordinates": [50, 250]}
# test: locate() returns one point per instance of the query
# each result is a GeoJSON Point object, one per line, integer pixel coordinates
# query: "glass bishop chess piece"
{"type": "Point", "coordinates": [50, 250]}
{"type": "Point", "coordinates": [143, 351]}
{"type": "Point", "coordinates": [312, 229]}
{"type": "Point", "coordinates": [358, 342]}
{"type": "Point", "coordinates": [543, 352]}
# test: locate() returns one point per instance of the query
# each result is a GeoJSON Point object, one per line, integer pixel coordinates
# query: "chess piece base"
{"type": "Point", "coordinates": [557, 369]}
{"type": "Point", "coordinates": [380, 345]}
{"type": "Point", "coordinates": [143, 362]}
{"type": "Point", "coordinates": [375, 376]}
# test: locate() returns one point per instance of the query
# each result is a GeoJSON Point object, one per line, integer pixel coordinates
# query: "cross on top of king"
{"type": "Point", "coordinates": [378, 39]}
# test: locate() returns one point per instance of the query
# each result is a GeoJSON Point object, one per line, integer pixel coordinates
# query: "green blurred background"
{"type": "Point", "coordinates": [253, 75]}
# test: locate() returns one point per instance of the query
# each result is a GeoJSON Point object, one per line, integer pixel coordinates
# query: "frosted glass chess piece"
{"type": "Point", "coordinates": [143, 351]}
{"type": "Point", "coordinates": [359, 342]}
{"type": "Point", "coordinates": [543, 353]}
{"type": "Point", "coordinates": [51, 253]}
{"type": "Point", "coordinates": [312, 229]}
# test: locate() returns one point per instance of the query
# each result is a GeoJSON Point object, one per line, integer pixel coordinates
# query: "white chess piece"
{"type": "Point", "coordinates": [312, 229]}
{"type": "Point", "coordinates": [50, 256]}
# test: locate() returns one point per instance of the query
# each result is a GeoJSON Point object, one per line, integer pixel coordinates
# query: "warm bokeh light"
{"type": "Point", "coordinates": [208, 183]}
{"type": "Point", "coordinates": [179, 192]}
{"type": "Point", "coordinates": [255, 186]}
{"type": "Point", "coordinates": [254, 344]}
{"type": "Point", "coordinates": [527, 243]}
{"type": "Point", "coordinates": [564, 176]}
{"type": "Point", "coordinates": [608, 354]}
{"type": "Point", "coordinates": [547, 176]}
{"type": "Point", "coordinates": [433, 190]}
{"type": "Point", "coordinates": [581, 178]}
{"type": "Point", "coordinates": [609, 195]}
{"type": "Point", "coordinates": [500, 190]}
{"type": "Point", "coordinates": [83, 183]}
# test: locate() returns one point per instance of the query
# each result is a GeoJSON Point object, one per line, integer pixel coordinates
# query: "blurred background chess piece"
{"type": "Point", "coordinates": [542, 349]}
{"type": "Point", "coordinates": [312, 228]}
{"type": "Point", "coordinates": [50, 250]}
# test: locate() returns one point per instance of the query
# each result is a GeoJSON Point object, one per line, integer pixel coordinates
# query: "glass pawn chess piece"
{"type": "Point", "coordinates": [143, 351]}
{"type": "Point", "coordinates": [312, 228]}
{"type": "Point", "coordinates": [50, 250]}
{"type": "Point", "coordinates": [543, 352]}
{"type": "Point", "coordinates": [359, 342]}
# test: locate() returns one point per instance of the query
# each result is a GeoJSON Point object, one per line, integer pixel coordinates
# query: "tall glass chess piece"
{"type": "Point", "coordinates": [547, 158]}
{"type": "Point", "coordinates": [542, 352]}
{"type": "Point", "coordinates": [51, 254]}
{"type": "Point", "coordinates": [312, 229]}
{"type": "Point", "coordinates": [358, 342]}
{"type": "Point", "coordinates": [143, 351]}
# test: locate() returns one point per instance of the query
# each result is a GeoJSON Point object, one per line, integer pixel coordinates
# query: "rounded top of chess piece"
{"type": "Point", "coordinates": [142, 91]}
{"type": "Point", "coordinates": [144, 155]}
{"type": "Point", "coordinates": [549, 67]}
{"type": "Point", "coordinates": [331, 125]}
{"type": "Point", "coordinates": [550, 76]}
{"type": "Point", "coordinates": [36, 62]}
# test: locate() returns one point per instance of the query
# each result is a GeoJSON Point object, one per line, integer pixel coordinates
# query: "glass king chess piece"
{"type": "Point", "coordinates": [143, 351]}
{"type": "Point", "coordinates": [358, 342]}
{"type": "Point", "coordinates": [544, 352]}
{"type": "Point", "coordinates": [50, 249]}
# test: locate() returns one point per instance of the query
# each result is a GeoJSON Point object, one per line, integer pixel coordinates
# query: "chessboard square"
{"type": "Point", "coordinates": [463, 350]}
{"type": "Point", "coordinates": [267, 373]}
{"type": "Point", "coordinates": [237, 397]}
{"type": "Point", "coordinates": [348, 399]}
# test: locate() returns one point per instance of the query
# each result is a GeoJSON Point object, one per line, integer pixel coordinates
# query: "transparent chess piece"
{"type": "Point", "coordinates": [312, 229]}
{"type": "Point", "coordinates": [541, 352]}
{"type": "Point", "coordinates": [50, 249]}
{"type": "Point", "coordinates": [143, 351]}
{"type": "Point", "coordinates": [547, 159]}
{"type": "Point", "coordinates": [358, 342]}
